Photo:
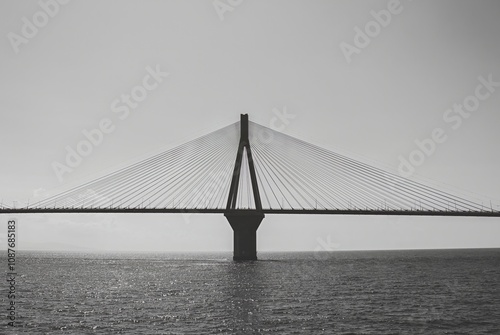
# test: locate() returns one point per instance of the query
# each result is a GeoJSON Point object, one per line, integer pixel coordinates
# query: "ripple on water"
{"type": "Point", "coordinates": [401, 292]}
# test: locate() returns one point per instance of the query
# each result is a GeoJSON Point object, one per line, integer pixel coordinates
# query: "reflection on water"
{"type": "Point", "coordinates": [400, 292]}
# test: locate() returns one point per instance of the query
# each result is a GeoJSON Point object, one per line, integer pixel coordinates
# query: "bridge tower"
{"type": "Point", "coordinates": [244, 222]}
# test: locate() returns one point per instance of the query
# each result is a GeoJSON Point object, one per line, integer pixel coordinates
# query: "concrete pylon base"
{"type": "Point", "coordinates": [244, 224]}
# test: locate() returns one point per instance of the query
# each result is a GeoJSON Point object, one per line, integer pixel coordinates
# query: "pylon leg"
{"type": "Point", "coordinates": [245, 225]}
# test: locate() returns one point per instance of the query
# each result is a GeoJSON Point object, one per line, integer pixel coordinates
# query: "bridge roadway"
{"type": "Point", "coordinates": [400, 212]}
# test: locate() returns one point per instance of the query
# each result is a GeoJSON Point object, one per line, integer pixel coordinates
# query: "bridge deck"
{"type": "Point", "coordinates": [265, 211]}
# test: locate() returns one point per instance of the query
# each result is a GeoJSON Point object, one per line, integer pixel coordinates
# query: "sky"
{"type": "Point", "coordinates": [368, 79]}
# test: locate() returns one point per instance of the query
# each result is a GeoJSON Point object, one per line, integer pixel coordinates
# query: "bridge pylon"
{"type": "Point", "coordinates": [244, 222]}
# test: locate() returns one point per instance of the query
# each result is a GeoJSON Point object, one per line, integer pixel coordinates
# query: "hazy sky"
{"type": "Point", "coordinates": [64, 73]}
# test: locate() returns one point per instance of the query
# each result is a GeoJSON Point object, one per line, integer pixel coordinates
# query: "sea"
{"type": "Point", "coordinates": [340, 292]}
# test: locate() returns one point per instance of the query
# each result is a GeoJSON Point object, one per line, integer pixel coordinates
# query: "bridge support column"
{"type": "Point", "coordinates": [244, 224]}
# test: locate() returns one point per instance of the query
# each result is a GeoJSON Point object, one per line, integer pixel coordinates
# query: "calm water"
{"type": "Point", "coordinates": [387, 292]}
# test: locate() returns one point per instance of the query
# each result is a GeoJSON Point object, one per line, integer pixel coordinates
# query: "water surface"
{"type": "Point", "coordinates": [377, 292]}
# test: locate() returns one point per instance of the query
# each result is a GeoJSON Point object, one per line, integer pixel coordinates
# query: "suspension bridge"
{"type": "Point", "coordinates": [245, 171]}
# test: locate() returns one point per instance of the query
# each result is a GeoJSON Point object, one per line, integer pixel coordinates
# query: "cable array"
{"type": "Point", "coordinates": [294, 174]}
{"type": "Point", "coordinates": [194, 175]}
{"type": "Point", "coordinates": [291, 174]}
